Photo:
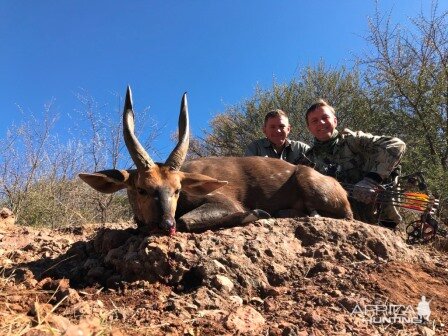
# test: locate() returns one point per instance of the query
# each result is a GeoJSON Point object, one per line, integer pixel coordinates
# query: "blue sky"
{"type": "Point", "coordinates": [218, 51]}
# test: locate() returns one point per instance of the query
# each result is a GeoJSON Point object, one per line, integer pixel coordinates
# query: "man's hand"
{"type": "Point", "coordinates": [365, 191]}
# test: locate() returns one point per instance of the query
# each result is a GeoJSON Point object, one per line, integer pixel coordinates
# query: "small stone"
{"type": "Point", "coordinates": [348, 303]}
{"type": "Point", "coordinates": [339, 270]}
{"type": "Point", "coordinates": [223, 283]}
{"type": "Point", "coordinates": [236, 300]}
{"type": "Point", "coordinates": [256, 300]}
{"type": "Point", "coordinates": [58, 322]}
{"type": "Point", "coordinates": [312, 318]}
{"type": "Point", "coordinates": [7, 218]}
{"type": "Point", "coordinates": [40, 309]}
{"type": "Point", "coordinates": [320, 267]}
{"type": "Point", "coordinates": [245, 320]}
{"type": "Point", "coordinates": [336, 293]}
{"type": "Point", "coordinates": [220, 267]}
{"type": "Point", "coordinates": [68, 296]}
{"type": "Point", "coordinates": [270, 305]}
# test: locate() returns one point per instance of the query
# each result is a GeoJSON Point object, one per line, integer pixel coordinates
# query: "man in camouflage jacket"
{"type": "Point", "coordinates": [357, 159]}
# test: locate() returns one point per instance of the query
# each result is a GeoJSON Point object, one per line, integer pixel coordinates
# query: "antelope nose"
{"type": "Point", "coordinates": [168, 225]}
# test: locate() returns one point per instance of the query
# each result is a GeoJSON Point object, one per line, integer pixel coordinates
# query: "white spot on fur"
{"type": "Point", "coordinates": [287, 171]}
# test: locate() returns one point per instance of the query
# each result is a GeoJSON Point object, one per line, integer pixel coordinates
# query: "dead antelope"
{"type": "Point", "coordinates": [214, 192]}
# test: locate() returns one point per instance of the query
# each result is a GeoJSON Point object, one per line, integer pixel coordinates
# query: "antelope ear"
{"type": "Point", "coordinates": [108, 181]}
{"type": "Point", "coordinates": [199, 184]}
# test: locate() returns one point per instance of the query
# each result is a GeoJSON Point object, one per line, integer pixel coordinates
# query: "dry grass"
{"type": "Point", "coordinates": [11, 322]}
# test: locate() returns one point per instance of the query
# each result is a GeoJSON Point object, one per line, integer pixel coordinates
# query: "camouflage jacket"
{"type": "Point", "coordinates": [350, 156]}
{"type": "Point", "coordinates": [293, 152]}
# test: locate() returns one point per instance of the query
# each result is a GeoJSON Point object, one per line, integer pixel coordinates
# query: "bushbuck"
{"type": "Point", "coordinates": [214, 192]}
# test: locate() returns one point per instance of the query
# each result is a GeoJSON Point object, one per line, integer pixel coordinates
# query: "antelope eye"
{"type": "Point", "coordinates": [142, 191]}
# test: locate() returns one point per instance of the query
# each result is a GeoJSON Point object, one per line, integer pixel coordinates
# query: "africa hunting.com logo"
{"type": "Point", "coordinates": [394, 313]}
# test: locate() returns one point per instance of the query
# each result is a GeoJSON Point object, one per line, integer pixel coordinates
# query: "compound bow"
{"type": "Point", "coordinates": [421, 201]}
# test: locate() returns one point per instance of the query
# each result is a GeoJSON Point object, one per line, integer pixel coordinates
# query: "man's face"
{"type": "Point", "coordinates": [321, 123]}
{"type": "Point", "coordinates": [277, 130]}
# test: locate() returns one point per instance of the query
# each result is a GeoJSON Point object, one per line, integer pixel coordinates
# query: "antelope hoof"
{"type": "Point", "coordinates": [261, 214]}
{"type": "Point", "coordinates": [256, 215]}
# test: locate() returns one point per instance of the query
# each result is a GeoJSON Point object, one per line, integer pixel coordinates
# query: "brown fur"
{"type": "Point", "coordinates": [268, 184]}
{"type": "Point", "coordinates": [225, 191]}
{"type": "Point", "coordinates": [216, 191]}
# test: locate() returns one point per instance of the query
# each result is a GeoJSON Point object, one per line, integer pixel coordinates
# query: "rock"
{"type": "Point", "coordinates": [272, 291]}
{"type": "Point", "coordinates": [302, 333]}
{"type": "Point", "coordinates": [270, 305]}
{"type": "Point", "coordinates": [85, 327]}
{"type": "Point", "coordinates": [223, 283]}
{"type": "Point", "coordinates": [204, 298]}
{"type": "Point", "coordinates": [108, 239]}
{"type": "Point", "coordinates": [220, 282]}
{"type": "Point", "coordinates": [62, 291]}
{"type": "Point", "coordinates": [40, 309]}
{"type": "Point", "coordinates": [378, 247]}
{"type": "Point", "coordinates": [64, 242]}
{"type": "Point", "coordinates": [23, 274]}
{"type": "Point", "coordinates": [30, 283]}
{"type": "Point", "coordinates": [349, 303]}
{"type": "Point", "coordinates": [276, 274]}
{"type": "Point", "coordinates": [256, 300]}
{"type": "Point", "coordinates": [245, 320]}
{"type": "Point", "coordinates": [69, 295]}
{"type": "Point", "coordinates": [220, 267]}
{"type": "Point", "coordinates": [44, 283]}
{"type": "Point", "coordinates": [312, 318]}
{"type": "Point", "coordinates": [81, 309]}
{"type": "Point", "coordinates": [336, 293]}
{"type": "Point", "coordinates": [236, 300]}
{"type": "Point", "coordinates": [308, 234]}
{"type": "Point", "coordinates": [289, 329]}
{"type": "Point", "coordinates": [7, 218]}
{"type": "Point", "coordinates": [320, 267]}
{"type": "Point", "coordinates": [339, 270]}
{"type": "Point", "coordinates": [58, 322]}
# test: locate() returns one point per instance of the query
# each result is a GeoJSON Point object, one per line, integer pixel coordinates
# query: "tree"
{"type": "Point", "coordinates": [231, 131]}
{"type": "Point", "coordinates": [407, 76]}
{"type": "Point", "coordinates": [38, 172]}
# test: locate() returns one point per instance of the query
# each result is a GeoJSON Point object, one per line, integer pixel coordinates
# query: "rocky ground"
{"type": "Point", "coordinates": [305, 276]}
